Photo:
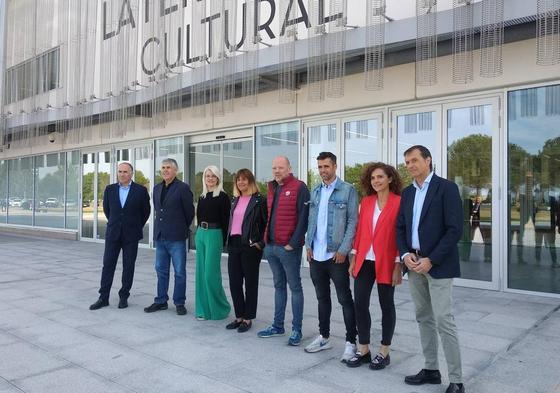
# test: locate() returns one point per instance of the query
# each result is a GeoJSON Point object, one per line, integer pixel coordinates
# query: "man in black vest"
{"type": "Point", "coordinates": [127, 208]}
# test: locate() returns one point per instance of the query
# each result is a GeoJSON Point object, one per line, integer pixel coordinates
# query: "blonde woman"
{"type": "Point", "coordinates": [212, 215]}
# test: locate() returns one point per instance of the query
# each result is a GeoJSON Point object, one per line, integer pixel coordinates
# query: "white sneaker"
{"type": "Point", "coordinates": [319, 344]}
{"type": "Point", "coordinates": [349, 352]}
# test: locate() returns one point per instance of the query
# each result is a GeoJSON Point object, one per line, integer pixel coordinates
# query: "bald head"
{"type": "Point", "coordinates": [281, 168]}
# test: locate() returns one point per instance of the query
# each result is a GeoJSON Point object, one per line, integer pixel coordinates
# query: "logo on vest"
{"type": "Point", "coordinates": [288, 193]}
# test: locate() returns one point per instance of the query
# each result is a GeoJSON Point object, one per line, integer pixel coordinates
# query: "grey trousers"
{"type": "Point", "coordinates": [432, 300]}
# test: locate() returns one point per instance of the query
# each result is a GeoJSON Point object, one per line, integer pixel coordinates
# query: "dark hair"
{"type": "Point", "coordinates": [127, 163]}
{"type": "Point", "coordinates": [424, 152]}
{"type": "Point", "coordinates": [395, 186]}
{"type": "Point", "coordinates": [326, 154]}
{"type": "Point", "coordinates": [246, 174]}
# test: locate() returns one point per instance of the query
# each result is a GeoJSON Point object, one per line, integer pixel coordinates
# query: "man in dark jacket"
{"type": "Point", "coordinates": [429, 226]}
{"type": "Point", "coordinates": [127, 208]}
{"type": "Point", "coordinates": [173, 205]}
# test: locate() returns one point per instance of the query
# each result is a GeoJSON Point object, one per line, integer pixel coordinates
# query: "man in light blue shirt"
{"type": "Point", "coordinates": [331, 228]}
{"type": "Point", "coordinates": [124, 188]}
{"type": "Point", "coordinates": [429, 226]}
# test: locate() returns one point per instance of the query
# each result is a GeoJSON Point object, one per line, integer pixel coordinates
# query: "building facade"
{"type": "Point", "coordinates": [89, 84]}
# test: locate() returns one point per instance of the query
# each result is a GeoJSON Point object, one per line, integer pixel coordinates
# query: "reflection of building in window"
{"type": "Point", "coordinates": [358, 129]}
{"type": "Point", "coordinates": [477, 116]}
{"type": "Point", "coordinates": [237, 145]}
{"type": "Point", "coordinates": [529, 103]}
{"type": "Point", "coordinates": [552, 100]}
{"type": "Point", "coordinates": [34, 76]}
{"type": "Point", "coordinates": [418, 122]}
{"type": "Point", "coordinates": [315, 135]}
{"type": "Point", "coordinates": [332, 133]}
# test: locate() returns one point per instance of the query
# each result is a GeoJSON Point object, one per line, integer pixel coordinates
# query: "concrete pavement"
{"type": "Point", "coordinates": [51, 342]}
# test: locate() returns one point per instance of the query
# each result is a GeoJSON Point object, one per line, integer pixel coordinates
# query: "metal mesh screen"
{"type": "Point", "coordinates": [548, 32]}
{"type": "Point", "coordinates": [336, 52]}
{"type": "Point", "coordinates": [287, 52]}
{"type": "Point", "coordinates": [492, 38]}
{"type": "Point", "coordinates": [426, 42]}
{"type": "Point", "coordinates": [250, 78]}
{"type": "Point", "coordinates": [463, 41]}
{"type": "Point", "coordinates": [316, 60]}
{"type": "Point", "coordinates": [198, 90]}
{"type": "Point", "coordinates": [374, 61]}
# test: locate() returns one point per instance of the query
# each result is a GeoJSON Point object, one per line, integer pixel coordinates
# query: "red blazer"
{"type": "Point", "coordinates": [384, 240]}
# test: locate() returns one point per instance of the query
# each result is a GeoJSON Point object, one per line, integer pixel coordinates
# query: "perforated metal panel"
{"type": "Point", "coordinates": [463, 41]}
{"type": "Point", "coordinates": [374, 61]}
{"type": "Point", "coordinates": [426, 42]}
{"type": "Point", "coordinates": [492, 38]}
{"type": "Point", "coordinates": [548, 32]}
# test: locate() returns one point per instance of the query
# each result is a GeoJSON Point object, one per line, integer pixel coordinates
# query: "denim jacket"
{"type": "Point", "coordinates": [341, 220]}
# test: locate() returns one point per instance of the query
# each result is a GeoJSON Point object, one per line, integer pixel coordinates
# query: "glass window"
{"type": "Point", "coordinates": [273, 140]}
{"type": "Point", "coordinates": [88, 194]}
{"type": "Point", "coordinates": [20, 177]}
{"type": "Point", "coordinates": [321, 138]}
{"type": "Point", "coordinates": [469, 165]}
{"type": "Point", "coordinates": [72, 189]}
{"type": "Point", "coordinates": [415, 129]}
{"type": "Point", "coordinates": [169, 148]}
{"type": "Point", "coordinates": [3, 190]}
{"type": "Point", "coordinates": [361, 145]}
{"type": "Point", "coordinates": [236, 155]}
{"type": "Point", "coordinates": [48, 204]}
{"type": "Point", "coordinates": [534, 189]}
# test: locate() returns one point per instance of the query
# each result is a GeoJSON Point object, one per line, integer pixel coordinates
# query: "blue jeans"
{"type": "Point", "coordinates": [176, 251]}
{"type": "Point", "coordinates": [285, 266]}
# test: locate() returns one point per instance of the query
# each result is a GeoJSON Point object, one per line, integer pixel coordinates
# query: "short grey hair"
{"type": "Point", "coordinates": [171, 161]}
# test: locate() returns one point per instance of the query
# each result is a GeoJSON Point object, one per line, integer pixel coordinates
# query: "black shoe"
{"type": "Point", "coordinates": [98, 304]}
{"type": "Point", "coordinates": [379, 362]}
{"type": "Point", "coordinates": [358, 359]}
{"type": "Point", "coordinates": [455, 388]}
{"type": "Point", "coordinates": [181, 310]}
{"type": "Point", "coordinates": [123, 303]}
{"type": "Point", "coordinates": [233, 325]}
{"type": "Point", "coordinates": [245, 326]}
{"type": "Point", "coordinates": [424, 376]}
{"type": "Point", "coordinates": [156, 307]}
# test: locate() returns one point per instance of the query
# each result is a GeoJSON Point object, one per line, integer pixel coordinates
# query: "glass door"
{"type": "Point", "coordinates": [472, 133]}
{"type": "Point", "coordinates": [96, 175]}
{"type": "Point", "coordinates": [228, 155]}
{"type": "Point", "coordinates": [463, 138]}
{"type": "Point", "coordinates": [355, 140]}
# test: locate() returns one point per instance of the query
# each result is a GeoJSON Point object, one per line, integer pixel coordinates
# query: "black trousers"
{"type": "Point", "coordinates": [321, 274]}
{"type": "Point", "coordinates": [243, 265]}
{"type": "Point", "coordinates": [363, 285]}
{"type": "Point", "coordinates": [110, 257]}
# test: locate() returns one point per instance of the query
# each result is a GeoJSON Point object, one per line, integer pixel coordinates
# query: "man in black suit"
{"type": "Point", "coordinates": [127, 208]}
{"type": "Point", "coordinates": [173, 205]}
{"type": "Point", "coordinates": [429, 226]}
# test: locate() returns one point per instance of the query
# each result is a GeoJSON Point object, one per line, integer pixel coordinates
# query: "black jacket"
{"type": "Point", "coordinates": [174, 217]}
{"type": "Point", "coordinates": [126, 222]}
{"type": "Point", "coordinates": [254, 220]}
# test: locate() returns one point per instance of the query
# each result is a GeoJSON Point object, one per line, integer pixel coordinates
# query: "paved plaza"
{"type": "Point", "coordinates": [51, 342]}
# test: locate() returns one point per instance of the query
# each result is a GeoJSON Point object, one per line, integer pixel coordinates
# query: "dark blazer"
{"type": "Point", "coordinates": [174, 218]}
{"type": "Point", "coordinates": [127, 221]}
{"type": "Point", "coordinates": [254, 220]}
{"type": "Point", "coordinates": [440, 227]}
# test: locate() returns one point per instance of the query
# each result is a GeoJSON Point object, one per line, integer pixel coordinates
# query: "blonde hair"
{"type": "Point", "coordinates": [246, 174]}
{"type": "Point", "coordinates": [214, 169]}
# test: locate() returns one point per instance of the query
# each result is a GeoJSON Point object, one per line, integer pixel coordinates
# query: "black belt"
{"type": "Point", "coordinates": [209, 225]}
{"type": "Point", "coordinates": [417, 252]}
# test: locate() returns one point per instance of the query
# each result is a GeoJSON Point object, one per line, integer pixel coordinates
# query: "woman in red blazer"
{"type": "Point", "coordinates": [374, 258]}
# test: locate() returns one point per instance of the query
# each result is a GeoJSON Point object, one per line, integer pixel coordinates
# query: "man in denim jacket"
{"type": "Point", "coordinates": [333, 215]}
